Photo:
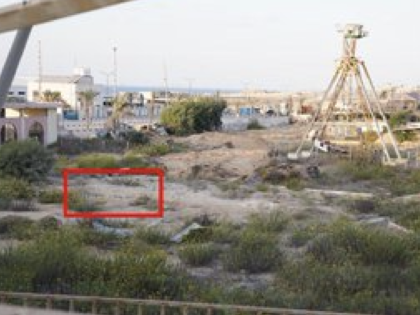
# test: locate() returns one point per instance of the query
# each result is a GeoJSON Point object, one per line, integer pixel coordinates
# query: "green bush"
{"type": "Point", "coordinates": [53, 196]}
{"type": "Point", "coordinates": [134, 162]}
{"type": "Point", "coordinates": [407, 135]}
{"type": "Point", "coordinates": [350, 242]}
{"type": "Point", "coordinates": [225, 233]}
{"type": "Point", "coordinates": [135, 137]}
{"type": "Point", "coordinates": [15, 189]}
{"type": "Point", "coordinates": [193, 116]}
{"type": "Point", "coordinates": [274, 221]}
{"type": "Point", "coordinates": [295, 184]}
{"type": "Point", "coordinates": [255, 252]}
{"type": "Point", "coordinates": [198, 254]}
{"type": "Point", "coordinates": [361, 171]}
{"type": "Point", "coordinates": [96, 160]}
{"type": "Point", "coordinates": [27, 160]}
{"type": "Point", "coordinates": [14, 226]}
{"type": "Point", "coordinates": [153, 149]}
{"type": "Point", "coordinates": [152, 236]}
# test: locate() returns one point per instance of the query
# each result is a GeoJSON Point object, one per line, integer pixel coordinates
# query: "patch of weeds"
{"type": "Point", "coordinates": [153, 150]}
{"type": "Point", "coordinates": [134, 161]}
{"type": "Point", "coordinates": [15, 227]}
{"type": "Point", "coordinates": [198, 254]}
{"type": "Point", "coordinates": [52, 196]}
{"type": "Point", "coordinates": [300, 237]}
{"type": "Point", "coordinates": [295, 184]}
{"type": "Point", "coordinates": [225, 233]}
{"type": "Point", "coordinates": [152, 236]}
{"type": "Point", "coordinates": [254, 252]}
{"type": "Point", "coordinates": [272, 222]}
{"type": "Point", "coordinates": [120, 181]}
{"type": "Point", "coordinates": [262, 187]}
{"type": "Point", "coordinates": [96, 160]}
{"type": "Point", "coordinates": [145, 201]}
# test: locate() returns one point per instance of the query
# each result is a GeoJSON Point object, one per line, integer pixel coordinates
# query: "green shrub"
{"type": "Point", "coordinates": [135, 137]}
{"type": "Point", "coordinates": [96, 160]}
{"type": "Point", "coordinates": [295, 184]}
{"type": "Point", "coordinates": [274, 221]}
{"type": "Point", "coordinates": [152, 236]}
{"type": "Point", "coordinates": [53, 196]}
{"type": "Point", "coordinates": [15, 189]}
{"type": "Point", "coordinates": [133, 161]}
{"type": "Point", "coordinates": [225, 233]}
{"type": "Point", "coordinates": [300, 237]}
{"type": "Point", "coordinates": [254, 125]}
{"type": "Point", "coordinates": [26, 160]}
{"type": "Point", "coordinates": [193, 116]}
{"type": "Point", "coordinates": [262, 188]}
{"type": "Point", "coordinates": [13, 226]}
{"type": "Point", "coordinates": [153, 150]}
{"type": "Point", "coordinates": [345, 241]}
{"type": "Point", "coordinates": [198, 254]}
{"type": "Point", "coordinates": [255, 252]}
{"type": "Point", "coordinates": [406, 135]}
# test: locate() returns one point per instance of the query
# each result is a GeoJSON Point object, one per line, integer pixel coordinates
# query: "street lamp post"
{"type": "Point", "coordinates": [115, 72]}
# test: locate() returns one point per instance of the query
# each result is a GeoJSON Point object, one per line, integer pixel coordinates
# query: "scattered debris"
{"type": "Point", "coordinates": [383, 222]}
{"type": "Point", "coordinates": [179, 237]}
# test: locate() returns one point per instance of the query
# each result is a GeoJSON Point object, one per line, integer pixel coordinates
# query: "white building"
{"type": "Point", "coordinates": [69, 86]}
{"type": "Point", "coordinates": [19, 121]}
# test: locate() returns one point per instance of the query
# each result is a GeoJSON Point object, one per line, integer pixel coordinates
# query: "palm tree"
{"type": "Point", "coordinates": [87, 101]}
{"type": "Point", "coordinates": [51, 96]}
{"type": "Point", "coordinates": [120, 108]}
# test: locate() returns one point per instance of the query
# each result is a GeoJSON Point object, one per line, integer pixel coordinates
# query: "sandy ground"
{"type": "Point", "coordinates": [223, 156]}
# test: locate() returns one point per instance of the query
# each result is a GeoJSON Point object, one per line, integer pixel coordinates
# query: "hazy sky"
{"type": "Point", "coordinates": [271, 44]}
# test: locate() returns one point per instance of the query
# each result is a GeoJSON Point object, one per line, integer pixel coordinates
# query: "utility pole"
{"type": "Point", "coordinates": [165, 80]}
{"type": "Point", "coordinates": [115, 72]}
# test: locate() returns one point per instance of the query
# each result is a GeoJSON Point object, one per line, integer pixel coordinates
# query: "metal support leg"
{"type": "Point", "coordinates": [12, 63]}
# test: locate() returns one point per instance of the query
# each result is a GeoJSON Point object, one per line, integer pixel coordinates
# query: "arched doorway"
{"type": "Point", "coordinates": [8, 133]}
{"type": "Point", "coordinates": [36, 132]}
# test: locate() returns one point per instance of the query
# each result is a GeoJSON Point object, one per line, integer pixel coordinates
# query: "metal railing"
{"type": "Point", "coordinates": [119, 304]}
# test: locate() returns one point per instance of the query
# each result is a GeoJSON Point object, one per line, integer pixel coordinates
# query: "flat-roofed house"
{"type": "Point", "coordinates": [20, 121]}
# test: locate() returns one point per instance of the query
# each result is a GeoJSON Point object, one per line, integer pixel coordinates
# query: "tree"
{"type": "Point", "coordinates": [194, 115]}
{"type": "Point", "coordinates": [25, 159]}
{"type": "Point", "coordinates": [120, 108]}
{"type": "Point", "coordinates": [51, 96]}
{"type": "Point", "coordinates": [87, 101]}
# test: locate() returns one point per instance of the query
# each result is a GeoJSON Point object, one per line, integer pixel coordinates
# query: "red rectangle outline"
{"type": "Point", "coordinates": [111, 214]}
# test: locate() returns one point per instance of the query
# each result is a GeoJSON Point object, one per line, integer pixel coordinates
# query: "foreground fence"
{"type": "Point", "coordinates": [121, 306]}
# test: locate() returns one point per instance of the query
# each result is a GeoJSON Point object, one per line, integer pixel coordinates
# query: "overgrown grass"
{"type": "Point", "coordinates": [96, 160]}
{"type": "Point", "coordinates": [152, 150]}
{"type": "Point", "coordinates": [271, 222]}
{"type": "Point", "coordinates": [254, 252]}
{"type": "Point", "coordinates": [52, 196]}
{"type": "Point", "coordinates": [351, 268]}
{"type": "Point", "coordinates": [198, 254]}
{"type": "Point", "coordinates": [152, 236]}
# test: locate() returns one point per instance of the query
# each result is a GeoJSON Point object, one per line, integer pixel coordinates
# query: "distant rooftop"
{"type": "Point", "coordinates": [32, 105]}
{"type": "Point", "coordinates": [61, 78]}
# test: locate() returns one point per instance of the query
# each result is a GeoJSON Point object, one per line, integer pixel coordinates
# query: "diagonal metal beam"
{"type": "Point", "coordinates": [12, 63]}
{"type": "Point", "coordinates": [33, 12]}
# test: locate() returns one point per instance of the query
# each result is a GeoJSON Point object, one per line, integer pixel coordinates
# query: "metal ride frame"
{"type": "Point", "coordinates": [23, 16]}
{"type": "Point", "coordinates": [350, 71]}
